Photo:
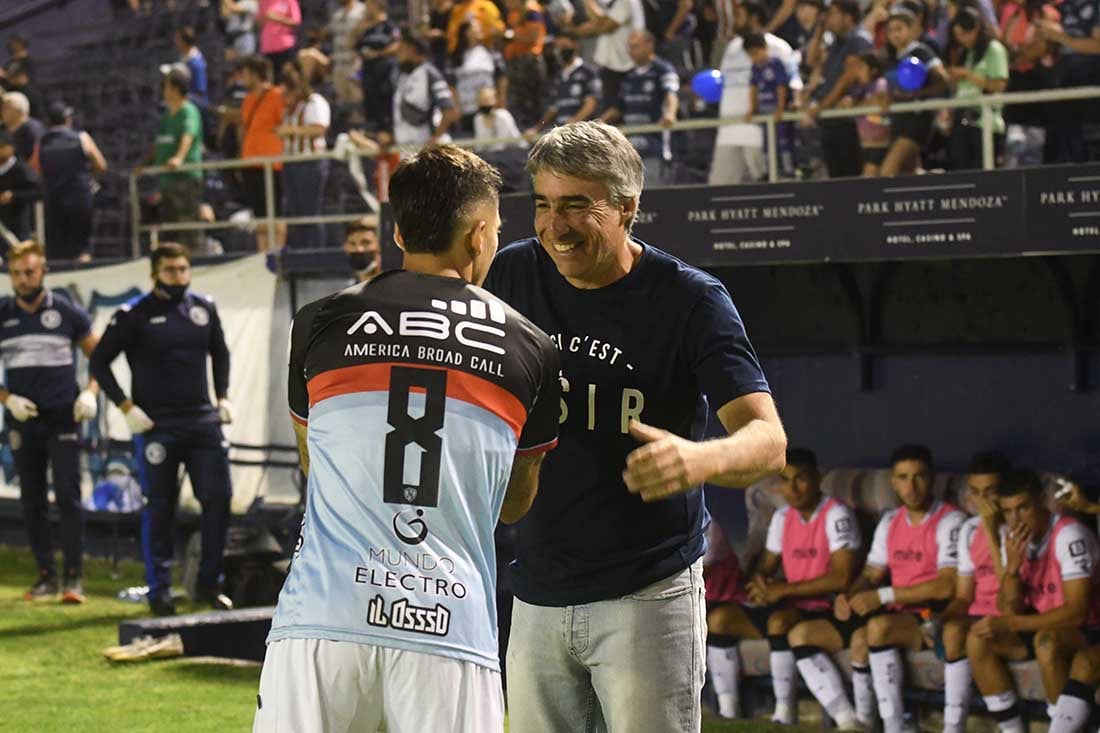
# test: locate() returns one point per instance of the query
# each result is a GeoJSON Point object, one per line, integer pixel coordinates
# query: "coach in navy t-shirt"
{"type": "Point", "coordinates": [610, 552]}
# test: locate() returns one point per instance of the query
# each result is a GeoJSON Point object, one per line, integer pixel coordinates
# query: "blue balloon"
{"type": "Point", "coordinates": [708, 85]}
{"type": "Point", "coordinates": [911, 74]}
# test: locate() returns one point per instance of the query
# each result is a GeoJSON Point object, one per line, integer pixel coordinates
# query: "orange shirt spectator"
{"type": "Point", "coordinates": [1018, 33]}
{"type": "Point", "coordinates": [483, 11]}
{"type": "Point", "coordinates": [261, 114]}
{"type": "Point", "coordinates": [526, 20]}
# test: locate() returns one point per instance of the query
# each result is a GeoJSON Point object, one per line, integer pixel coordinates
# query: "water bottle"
{"type": "Point", "coordinates": [933, 629]}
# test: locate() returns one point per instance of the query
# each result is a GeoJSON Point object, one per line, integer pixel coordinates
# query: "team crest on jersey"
{"type": "Point", "coordinates": [199, 316]}
{"type": "Point", "coordinates": [410, 494]}
{"type": "Point", "coordinates": [575, 90]}
{"type": "Point", "coordinates": [155, 454]}
{"type": "Point", "coordinates": [649, 86]}
{"type": "Point", "coordinates": [15, 440]}
{"type": "Point", "coordinates": [51, 319]}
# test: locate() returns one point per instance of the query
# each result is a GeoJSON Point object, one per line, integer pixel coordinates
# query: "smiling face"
{"type": "Point", "coordinates": [580, 227]}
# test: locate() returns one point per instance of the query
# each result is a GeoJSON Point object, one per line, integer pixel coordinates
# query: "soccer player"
{"type": "Point", "coordinates": [609, 611]}
{"type": "Point", "coordinates": [1048, 589]}
{"type": "Point", "coordinates": [816, 539]}
{"type": "Point", "coordinates": [38, 329]}
{"type": "Point", "coordinates": [915, 546]}
{"type": "Point", "coordinates": [423, 407]}
{"type": "Point", "coordinates": [167, 335]}
{"type": "Point", "coordinates": [976, 585]}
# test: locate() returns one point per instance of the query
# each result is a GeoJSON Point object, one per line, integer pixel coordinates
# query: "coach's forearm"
{"type": "Point", "coordinates": [756, 450]}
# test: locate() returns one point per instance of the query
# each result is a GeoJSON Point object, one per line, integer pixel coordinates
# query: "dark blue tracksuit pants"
{"type": "Point", "coordinates": [203, 451]}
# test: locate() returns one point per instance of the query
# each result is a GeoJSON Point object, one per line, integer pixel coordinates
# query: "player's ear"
{"type": "Point", "coordinates": [475, 238]}
{"type": "Point", "coordinates": [398, 239]}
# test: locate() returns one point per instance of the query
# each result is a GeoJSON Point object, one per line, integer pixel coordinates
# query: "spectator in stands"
{"type": "Point", "coordinates": [523, 60]}
{"type": "Point", "coordinates": [807, 16]}
{"type": "Point", "coordinates": [343, 27]}
{"type": "Point", "coordinates": [575, 93]}
{"type": "Point", "coordinates": [984, 71]}
{"type": "Point", "coordinates": [769, 93]}
{"type": "Point", "coordinates": [673, 26]}
{"type": "Point", "coordinates": [18, 74]}
{"type": "Point", "coordinates": [473, 67]}
{"type": "Point", "coordinates": [1032, 69]}
{"type": "Point", "coordinates": [192, 58]}
{"type": "Point", "coordinates": [25, 130]}
{"type": "Point", "coordinates": [68, 159]}
{"type": "Point", "coordinates": [179, 141]}
{"type": "Point", "coordinates": [910, 131]}
{"type": "Point", "coordinates": [870, 88]}
{"type": "Point", "coordinates": [839, 136]}
{"type": "Point", "coordinates": [424, 109]}
{"type": "Point", "coordinates": [1078, 64]}
{"type": "Point", "coordinates": [19, 189]}
{"type": "Point", "coordinates": [303, 131]}
{"type": "Point", "coordinates": [915, 547]}
{"type": "Point", "coordinates": [239, 17]}
{"type": "Point", "coordinates": [312, 61]}
{"type": "Point", "coordinates": [611, 22]}
{"type": "Point", "coordinates": [434, 29]}
{"type": "Point", "coordinates": [377, 44]}
{"type": "Point", "coordinates": [484, 12]}
{"type": "Point", "coordinates": [1047, 589]}
{"type": "Point", "coordinates": [494, 121]}
{"type": "Point", "coordinates": [279, 21]}
{"type": "Point", "coordinates": [977, 585]}
{"type": "Point", "coordinates": [261, 115]}
{"type": "Point", "coordinates": [649, 94]}
{"type": "Point", "coordinates": [363, 250]}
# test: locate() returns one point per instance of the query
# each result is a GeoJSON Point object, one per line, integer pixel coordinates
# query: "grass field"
{"type": "Point", "coordinates": [53, 677]}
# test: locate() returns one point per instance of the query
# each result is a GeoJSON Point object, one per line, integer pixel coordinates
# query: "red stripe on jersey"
{"type": "Point", "coordinates": [460, 386]}
{"type": "Point", "coordinates": [536, 449]}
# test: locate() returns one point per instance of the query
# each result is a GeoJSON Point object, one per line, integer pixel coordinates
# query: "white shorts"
{"type": "Point", "coordinates": [320, 686]}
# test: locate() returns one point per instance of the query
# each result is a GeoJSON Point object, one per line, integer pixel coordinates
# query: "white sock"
{"type": "Point", "coordinates": [783, 680]}
{"type": "Point", "coordinates": [886, 673]}
{"type": "Point", "coordinates": [864, 693]}
{"type": "Point", "coordinates": [724, 666]}
{"type": "Point", "coordinates": [823, 679]}
{"type": "Point", "coordinates": [1004, 709]}
{"type": "Point", "coordinates": [1072, 710]}
{"type": "Point", "coordinates": [956, 695]}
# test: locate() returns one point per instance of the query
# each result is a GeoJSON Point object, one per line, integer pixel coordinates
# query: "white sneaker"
{"type": "Point", "coordinates": [783, 715]}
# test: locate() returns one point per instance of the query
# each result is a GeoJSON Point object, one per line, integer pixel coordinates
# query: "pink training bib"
{"type": "Point", "coordinates": [986, 584]}
{"type": "Point", "coordinates": [806, 552]}
{"type": "Point", "coordinates": [912, 551]}
{"type": "Point", "coordinates": [1042, 577]}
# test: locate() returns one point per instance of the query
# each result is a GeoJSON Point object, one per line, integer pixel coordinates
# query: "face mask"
{"type": "Point", "coordinates": [360, 261]}
{"type": "Point", "coordinates": [565, 55]}
{"type": "Point", "coordinates": [407, 67]}
{"type": "Point", "coordinates": [485, 110]}
{"type": "Point", "coordinates": [174, 292]}
{"type": "Point", "coordinates": [28, 299]}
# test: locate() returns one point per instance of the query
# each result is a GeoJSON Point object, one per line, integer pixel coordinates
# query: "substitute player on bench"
{"type": "Point", "coordinates": [915, 546]}
{"type": "Point", "coordinates": [1048, 589]}
{"type": "Point", "coordinates": [817, 540]}
{"type": "Point", "coordinates": [423, 407]}
{"type": "Point", "coordinates": [977, 585]}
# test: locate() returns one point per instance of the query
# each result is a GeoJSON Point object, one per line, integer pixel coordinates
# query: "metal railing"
{"type": "Point", "coordinates": [985, 103]}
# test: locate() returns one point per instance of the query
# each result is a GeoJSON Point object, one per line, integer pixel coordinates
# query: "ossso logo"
{"type": "Point", "coordinates": [402, 524]}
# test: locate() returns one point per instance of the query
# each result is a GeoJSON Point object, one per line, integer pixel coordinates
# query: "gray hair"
{"type": "Point", "coordinates": [18, 101]}
{"type": "Point", "coordinates": [592, 151]}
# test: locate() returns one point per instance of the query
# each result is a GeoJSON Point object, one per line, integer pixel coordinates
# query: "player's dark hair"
{"type": "Point", "coordinates": [360, 225]}
{"type": "Point", "coordinates": [1020, 481]}
{"type": "Point", "coordinates": [756, 10]}
{"type": "Point", "coordinates": [754, 40]}
{"type": "Point", "coordinates": [802, 458]}
{"type": "Point", "coordinates": [258, 65]}
{"type": "Point", "coordinates": [187, 35]}
{"type": "Point", "coordinates": [911, 452]}
{"type": "Point", "coordinates": [414, 39]}
{"type": "Point", "coordinates": [989, 462]}
{"type": "Point", "coordinates": [433, 192]}
{"type": "Point", "coordinates": [849, 8]}
{"type": "Point", "coordinates": [168, 251]}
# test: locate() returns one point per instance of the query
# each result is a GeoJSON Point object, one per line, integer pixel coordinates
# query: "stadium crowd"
{"type": "Point", "coordinates": [355, 78]}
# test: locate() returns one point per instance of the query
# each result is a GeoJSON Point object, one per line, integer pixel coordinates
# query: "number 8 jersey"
{"type": "Point", "coordinates": [418, 392]}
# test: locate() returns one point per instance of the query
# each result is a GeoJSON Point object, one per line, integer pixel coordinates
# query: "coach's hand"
{"type": "Point", "coordinates": [85, 407]}
{"type": "Point", "coordinates": [666, 465]}
{"type": "Point", "coordinates": [136, 419]}
{"type": "Point", "coordinates": [225, 411]}
{"type": "Point", "coordinates": [865, 602]}
{"type": "Point", "coordinates": [21, 408]}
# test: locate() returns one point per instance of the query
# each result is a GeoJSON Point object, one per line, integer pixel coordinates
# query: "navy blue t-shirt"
{"type": "Point", "coordinates": [642, 99]}
{"type": "Point", "coordinates": [572, 88]}
{"type": "Point", "coordinates": [767, 79]}
{"type": "Point", "coordinates": [38, 349]}
{"type": "Point", "coordinates": [657, 345]}
{"type": "Point", "coordinates": [166, 344]}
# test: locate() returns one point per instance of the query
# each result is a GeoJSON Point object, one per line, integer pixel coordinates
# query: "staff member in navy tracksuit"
{"type": "Point", "coordinates": [44, 404]}
{"type": "Point", "coordinates": [166, 335]}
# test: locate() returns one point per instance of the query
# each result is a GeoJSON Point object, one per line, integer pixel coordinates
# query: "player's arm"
{"type": "Point", "coordinates": [87, 346]}
{"type": "Point", "coordinates": [940, 588]}
{"type": "Point", "coordinates": [586, 110]}
{"type": "Point", "coordinates": [1071, 615]}
{"type": "Point", "coordinates": [297, 391]}
{"type": "Point", "coordinates": [1010, 596]}
{"type": "Point", "coordinates": [862, 597]}
{"type": "Point", "coordinates": [301, 438]}
{"type": "Point", "coordinates": [959, 607]}
{"type": "Point", "coordinates": [523, 485]}
{"type": "Point", "coordinates": [842, 568]}
{"type": "Point", "coordinates": [767, 566]}
{"type": "Point", "coordinates": [116, 338]}
{"type": "Point", "coordinates": [219, 354]}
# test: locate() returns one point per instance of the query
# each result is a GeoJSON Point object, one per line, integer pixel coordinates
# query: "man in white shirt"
{"type": "Point", "coordinates": [739, 149]}
{"type": "Point", "coordinates": [611, 22]}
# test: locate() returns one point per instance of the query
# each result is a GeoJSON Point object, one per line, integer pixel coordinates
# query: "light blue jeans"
{"type": "Point", "coordinates": [634, 664]}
